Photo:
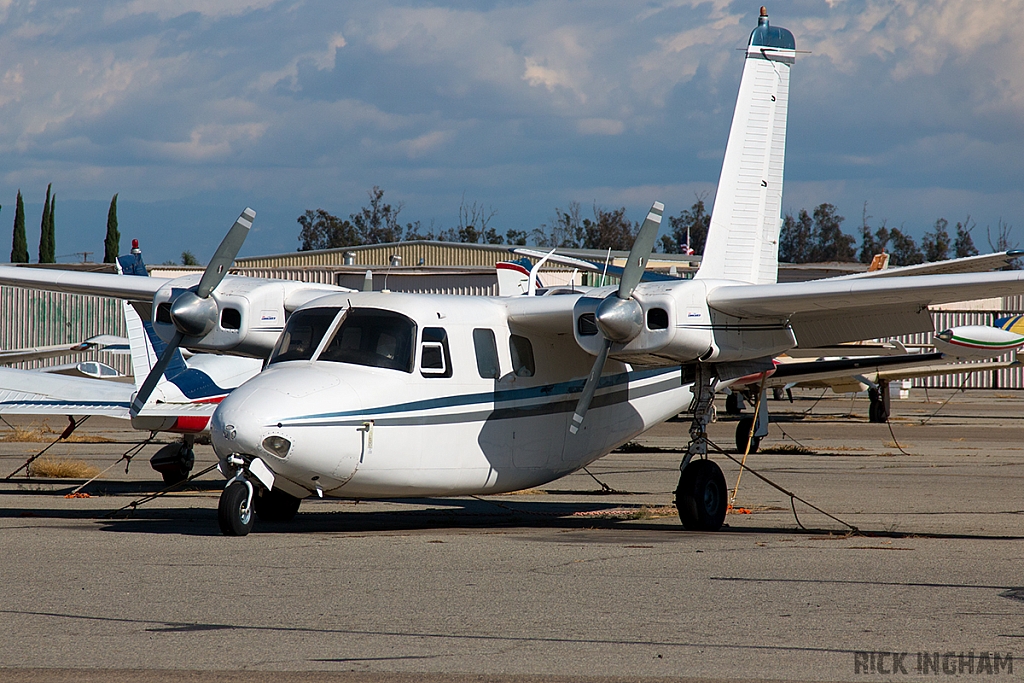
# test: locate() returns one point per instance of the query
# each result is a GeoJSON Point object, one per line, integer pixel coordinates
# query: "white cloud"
{"type": "Point", "coordinates": [600, 127]}
{"type": "Point", "coordinates": [170, 9]}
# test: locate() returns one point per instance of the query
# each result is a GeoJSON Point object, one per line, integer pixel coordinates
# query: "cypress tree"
{"type": "Point", "coordinates": [19, 248]}
{"type": "Point", "coordinates": [46, 246]}
{"type": "Point", "coordinates": [112, 244]}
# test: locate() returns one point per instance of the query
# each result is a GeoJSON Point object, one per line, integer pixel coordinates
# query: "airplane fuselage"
{"type": "Point", "coordinates": [428, 396]}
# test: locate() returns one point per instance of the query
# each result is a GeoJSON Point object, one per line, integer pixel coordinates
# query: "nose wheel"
{"type": "Point", "coordinates": [235, 513]}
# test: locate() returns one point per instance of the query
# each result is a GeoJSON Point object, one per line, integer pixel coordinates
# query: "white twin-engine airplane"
{"type": "Point", "coordinates": [386, 395]}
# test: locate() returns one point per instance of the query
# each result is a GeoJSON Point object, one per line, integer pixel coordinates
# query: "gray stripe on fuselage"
{"type": "Point", "coordinates": [566, 405]}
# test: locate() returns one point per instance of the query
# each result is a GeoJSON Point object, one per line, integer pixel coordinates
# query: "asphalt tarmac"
{"type": "Point", "coordinates": [570, 582]}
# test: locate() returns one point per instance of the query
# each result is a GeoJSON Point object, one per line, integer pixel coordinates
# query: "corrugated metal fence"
{"type": "Point", "coordinates": [32, 318]}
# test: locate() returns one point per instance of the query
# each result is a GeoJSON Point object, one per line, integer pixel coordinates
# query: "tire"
{"type": "Point", "coordinates": [743, 432]}
{"type": "Point", "coordinates": [876, 410]}
{"type": "Point", "coordinates": [234, 517]}
{"type": "Point", "coordinates": [702, 497]}
{"type": "Point", "coordinates": [734, 403]}
{"type": "Point", "coordinates": [174, 462]}
{"type": "Point", "coordinates": [275, 505]}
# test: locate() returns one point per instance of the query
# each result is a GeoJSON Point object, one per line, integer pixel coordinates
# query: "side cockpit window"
{"type": "Point", "coordinates": [486, 354]}
{"type": "Point", "coordinates": [435, 358]}
{"type": "Point", "coordinates": [373, 337]}
{"type": "Point", "coordinates": [522, 356]}
{"type": "Point", "coordinates": [303, 333]}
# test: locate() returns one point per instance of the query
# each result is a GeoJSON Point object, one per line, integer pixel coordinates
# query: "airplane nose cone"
{"type": "Point", "coordinates": [275, 416]}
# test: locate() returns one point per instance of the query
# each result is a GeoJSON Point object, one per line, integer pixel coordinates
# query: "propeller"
{"type": "Point", "coordinates": [194, 313]}
{"type": "Point", "coordinates": [620, 318]}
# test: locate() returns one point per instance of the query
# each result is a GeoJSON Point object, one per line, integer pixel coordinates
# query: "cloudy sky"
{"type": "Point", "coordinates": [193, 109]}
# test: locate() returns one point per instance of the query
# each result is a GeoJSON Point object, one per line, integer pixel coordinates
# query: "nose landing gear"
{"type": "Point", "coordinates": [237, 502]}
{"type": "Point", "coordinates": [234, 513]}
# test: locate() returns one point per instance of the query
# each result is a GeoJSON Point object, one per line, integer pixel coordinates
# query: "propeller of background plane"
{"type": "Point", "coordinates": [193, 312]}
{"type": "Point", "coordinates": [620, 318]}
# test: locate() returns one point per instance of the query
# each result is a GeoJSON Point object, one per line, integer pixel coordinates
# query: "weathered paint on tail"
{"type": "Point", "coordinates": [743, 240]}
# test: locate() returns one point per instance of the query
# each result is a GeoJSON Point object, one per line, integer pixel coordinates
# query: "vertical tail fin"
{"type": "Point", "coordinates": [743, 240]}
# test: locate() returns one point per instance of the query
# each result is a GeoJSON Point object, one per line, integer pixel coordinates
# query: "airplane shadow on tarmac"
{"type": "Point", "coordinates": [440, 514]}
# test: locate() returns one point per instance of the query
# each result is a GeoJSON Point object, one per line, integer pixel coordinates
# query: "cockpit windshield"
{"type": "Point", "coordinates": [373, 337]}
{"type": "Point", "coordinates": [303, 333]}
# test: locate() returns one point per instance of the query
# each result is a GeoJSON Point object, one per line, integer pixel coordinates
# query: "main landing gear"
{"type": "Point", "coordinates": [879, 409]}
{"type": "Point", "coordinates": [251, 490]}
{"type": "Point", "coordinates": [174, 461]}
{"type": "Point", "coordinates": [701, 497]}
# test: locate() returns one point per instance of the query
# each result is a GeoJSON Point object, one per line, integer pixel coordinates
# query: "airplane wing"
{"type": "Point", "coordinates": [825, 312]}
{"type": "Point", "coordinates": [968, 264]}
{"type": "Point", "coordinates": [26, 392]}
{"type": "Point", "coordinates": [75, 282]}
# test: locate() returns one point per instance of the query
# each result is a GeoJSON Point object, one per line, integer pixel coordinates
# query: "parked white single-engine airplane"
{"type": "Point", "coordinates": [383, 395]}
{"type": "Point", "coordinates": [184, 399]}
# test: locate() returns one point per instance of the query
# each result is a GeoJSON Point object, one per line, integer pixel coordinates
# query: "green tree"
{"type": "Point", "coordinates": [566, 230]}
{"type": "Point", "coordinates": [378, 222]}
{"type": "Point", "coordinates": [609, 230]}
{"type": "Point", "coordinates": [964, 244]}
{"type": "Point", "coordinates": [112, 243]}
{"type": "Point", "coordinates": [936, 244]}
{"type": "Point", "coordinates": [829, 242]}
{"type": "Point", "coordinates": [795, 238]}
{"type": "Point", "coordinates": [189, 259]}
{"type": "Point", "coordinates": [905, 251]}
{"type": "Point", "coordinates": [871, 243]}
{"type": "Point", "coordinates": [322, 230]}
{"type": "Point", "coordinates": [19, 246]}
{"type": "Point", "coordinates": [47, 249]}
{"type": "Point", "coordinates": [695, 222]}
{"type": "Point", "coordinates": [473, 227]}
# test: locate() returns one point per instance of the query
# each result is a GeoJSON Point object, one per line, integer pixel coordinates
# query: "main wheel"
{"type": "Point", "coordinates": [734, 403]}
{"type": "Point", "coordinates": [701, 498]}
{"type": "Point", "coordinates": [877, 411]}
{"type": "Point", "coordinates": [743, 433]}
{"type": "Point", "coordinates": [275, 505]}
{"type": "Point", "coordinates": [234, 514]}
{"type": "Point", "coordinates": [174, 462]}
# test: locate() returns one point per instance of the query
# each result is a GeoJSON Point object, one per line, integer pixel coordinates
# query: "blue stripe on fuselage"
{"type": "Point", "coordinates": [545, 391]}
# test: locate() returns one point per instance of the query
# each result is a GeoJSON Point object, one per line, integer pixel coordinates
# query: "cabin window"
{"type": "Point", "coordinates": [486, 354]}
{"type": "Point", "coordinates": [373, 337]}
{"type": "Point", "coordinates": [303, 333]}
{"type": "Point", "coordinates": [435, 359]}
{"type": "Point", "coordinates": [522, 356]}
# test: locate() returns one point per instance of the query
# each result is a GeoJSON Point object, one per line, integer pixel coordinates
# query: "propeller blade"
{"type": "Point", "coordinates": [589, 388]}
{"type": "Point", "coordinates": [643, 246]}
{"type": "Point", "coordinates": [226, 253]}
{"type": "Point", "coordinates": [146, 390]}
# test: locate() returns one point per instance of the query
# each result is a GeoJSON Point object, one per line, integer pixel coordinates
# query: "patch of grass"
{"type": "Point", "coordinates": [44, 433]}
{"type": "Point", "coordinates": [60, 468]}
{"type": "Point", "coordinates": [785, 449]}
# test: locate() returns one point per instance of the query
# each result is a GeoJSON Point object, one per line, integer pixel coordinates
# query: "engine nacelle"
{"type": "Point", "coordinates": [680, 328]}
{"type": "Point", "coordinates": [250, 313]}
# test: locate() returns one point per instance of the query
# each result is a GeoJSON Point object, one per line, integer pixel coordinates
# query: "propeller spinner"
{"type": "Point", "coordinates": [194, 313]}
{"type": "Point", "coordinates": [620, 317]}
